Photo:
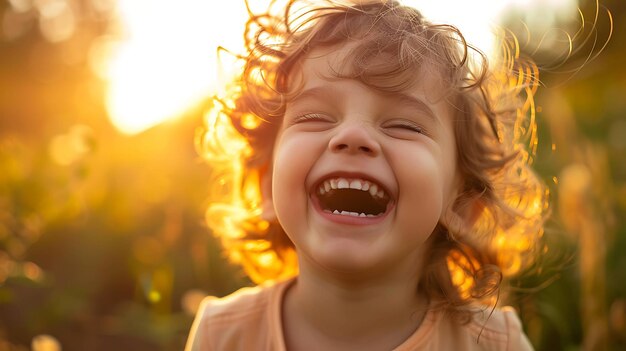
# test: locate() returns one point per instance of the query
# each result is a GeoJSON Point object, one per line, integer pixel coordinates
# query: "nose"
{"type": "Point", "coordinates": [354, 138]}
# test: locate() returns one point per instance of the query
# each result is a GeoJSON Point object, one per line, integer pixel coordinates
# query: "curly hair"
{"type": "Point", "coordinates": [493, 123]}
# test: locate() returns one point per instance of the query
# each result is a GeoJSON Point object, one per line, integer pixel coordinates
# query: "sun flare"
{"type": "Point", "coordinates": [167, 60]}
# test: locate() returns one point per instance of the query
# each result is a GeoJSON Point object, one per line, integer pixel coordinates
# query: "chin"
{"type": "Point", "coordinates": [347, 261]}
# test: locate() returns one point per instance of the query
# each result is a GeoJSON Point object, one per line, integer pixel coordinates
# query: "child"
{"type": "Point", "coordinates": [374, 182]}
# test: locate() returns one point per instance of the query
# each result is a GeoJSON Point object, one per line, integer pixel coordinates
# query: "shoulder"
{"type": "Point", "coordinates": [501, 326]}
{"type": "Point", "coordinates": [245, 319]}
{"type": "Point", "coordinates": [243, 303]}
{"type": "Point", "coordinates": [497, 329]}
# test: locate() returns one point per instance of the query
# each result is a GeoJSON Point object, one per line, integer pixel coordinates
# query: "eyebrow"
{"type": "Point", "coordinates": [397, 97]}
{"type": "Point", "coordinates": [416, 104]}
{"type": "Point", "coordinates": [315, 92]}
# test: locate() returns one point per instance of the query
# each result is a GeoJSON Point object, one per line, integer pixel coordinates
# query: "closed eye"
{"type": "Point", "coordinates": [311, 117]}
{"type": "Point", "coordinates": [405, 125]}
{"type": "Point", "coordinates": [311, 122]}
{"type": "Point", "coordinates": [410, 127]}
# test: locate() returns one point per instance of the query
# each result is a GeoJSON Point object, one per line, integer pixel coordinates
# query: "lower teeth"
{"type": "Point", "coordinates": [353, 214]}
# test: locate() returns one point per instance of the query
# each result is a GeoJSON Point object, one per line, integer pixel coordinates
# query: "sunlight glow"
{"type": "Point", "coordinates": [478, 20]}
{"type": "Point", "coordinates": [167, 60]}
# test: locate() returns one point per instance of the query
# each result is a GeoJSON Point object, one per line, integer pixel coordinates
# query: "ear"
{"type": "Point", "coordinates": [267, 204]}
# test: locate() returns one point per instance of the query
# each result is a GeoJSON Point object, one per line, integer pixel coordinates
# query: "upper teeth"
{"type": "Point", "coordinates": [345, 183]}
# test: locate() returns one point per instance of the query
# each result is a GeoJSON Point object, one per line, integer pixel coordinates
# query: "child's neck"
{"type": "Point", "coordinates": [322, 312]}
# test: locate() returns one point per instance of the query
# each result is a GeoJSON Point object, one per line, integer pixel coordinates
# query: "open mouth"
{"type": "Point", "coordinates": [352, 197]}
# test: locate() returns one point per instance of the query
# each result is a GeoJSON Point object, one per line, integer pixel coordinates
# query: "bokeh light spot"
{"type": "Point", "coordinates": [57, 21]}
{"type": "Point", "coordinates": [45, 342]}
{"type": "Point", "coordinates": [70, 147]}
{"type": "Point", "coordinates": [32, 271]}
{"type": "Point", "coordinates": [154, 296]}
{"type": "Point", "coordinates": [21, 5]}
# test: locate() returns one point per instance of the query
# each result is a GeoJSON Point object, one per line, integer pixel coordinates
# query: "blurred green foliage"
{"type": "Point", "coordinates": [575, 298]}
{"type": "Point", "coordinates": [102, 240]}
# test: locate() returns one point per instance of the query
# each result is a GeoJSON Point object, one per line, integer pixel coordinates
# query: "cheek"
{"type": "Point", "coordinates": [291, 165]}
{"type": "Point", "coordinates": [423, 191]}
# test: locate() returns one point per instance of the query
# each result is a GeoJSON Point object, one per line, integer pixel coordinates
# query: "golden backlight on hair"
{"type": "Point", "coordinates": [235, 210]}
{"type": "Point", "coordinates": [458, 265]}
{"type": "Point", "coordinates": [511, 228]}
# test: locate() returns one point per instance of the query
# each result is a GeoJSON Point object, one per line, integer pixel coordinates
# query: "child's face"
{"type": "Point", "coordinates": [338, 132]}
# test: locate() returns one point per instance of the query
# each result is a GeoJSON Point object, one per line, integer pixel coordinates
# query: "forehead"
{"type": "Point", "coordinates": [381, 73]}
